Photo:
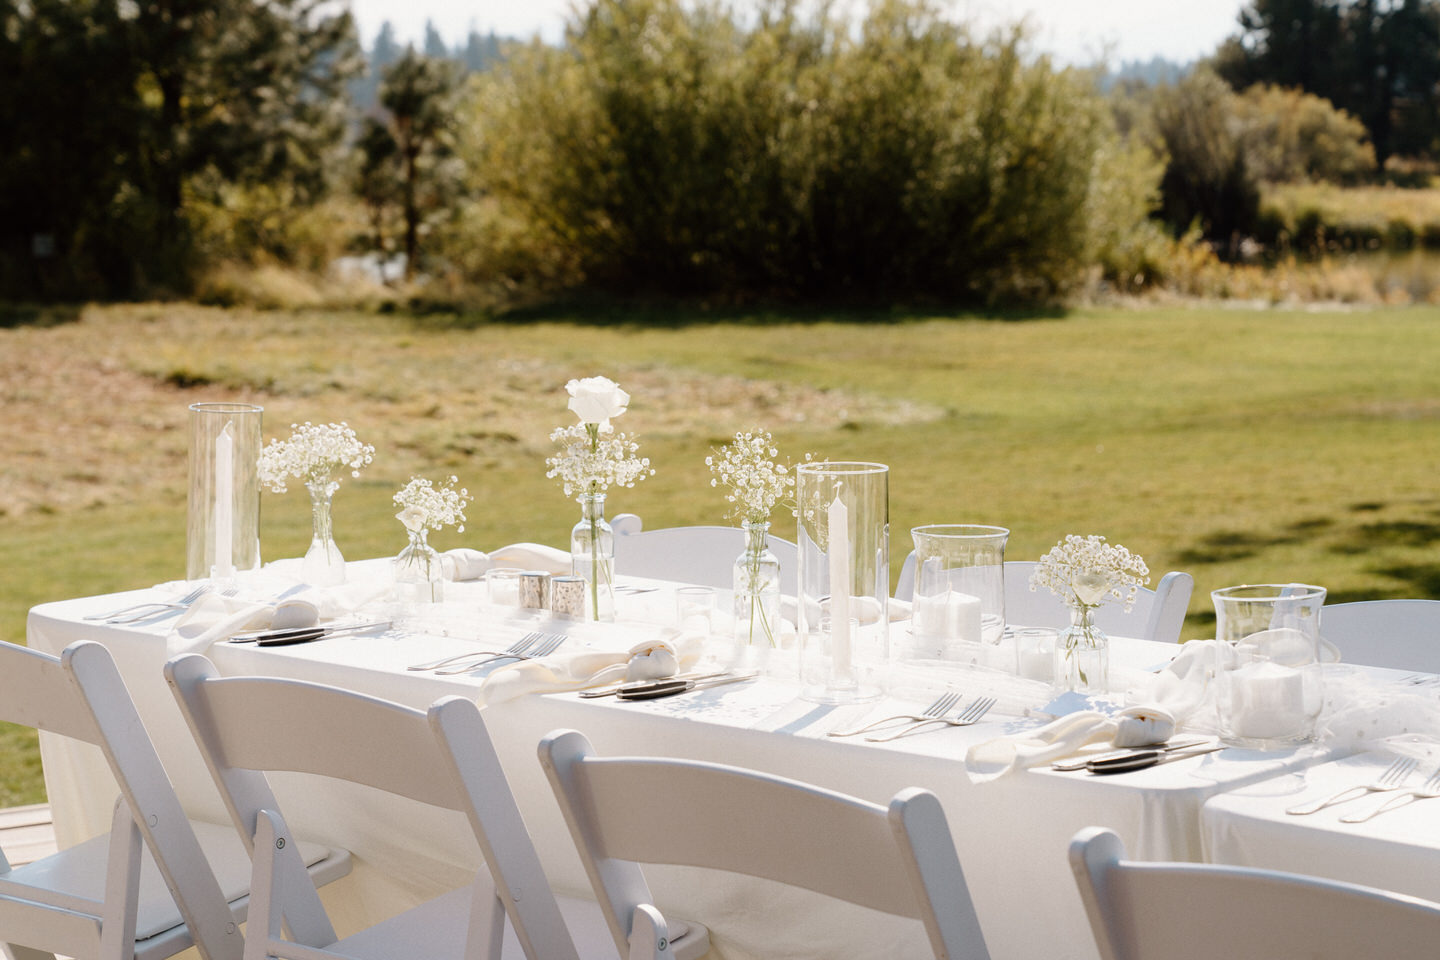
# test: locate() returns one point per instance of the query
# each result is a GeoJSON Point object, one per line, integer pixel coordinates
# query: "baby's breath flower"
{"type": "Point", "coordinates": [313, 454]}
{"type": "Point", "coordinates": [593, 458]}
{"type": "Point", "coordinates": [1085, 570]}
{"type": "Point", "coordinates": [426, 505]}
{"type": "Point", "coordinates": [756, 482]}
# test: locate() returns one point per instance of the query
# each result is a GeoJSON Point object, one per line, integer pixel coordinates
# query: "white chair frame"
{"type": "Point", "coordinates": [1157, 614]}
{"type": "Point", "coordinates": [1187, 911]}
{"type": "Point", "coordinates": [50, 906]}
{"type": "Point", "coordinates": [444, 757]}
{"type": "Point", "coordinates": [1404, 634]}
{"type": "Point", "coordinates": [703, 555]}
{"type": "Point", "coordinates": [624, 811]}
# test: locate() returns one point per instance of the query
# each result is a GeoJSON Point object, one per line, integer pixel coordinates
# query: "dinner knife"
{"type": "Point", "coordinates": [1147, 758]}
{"type": "Point", "coordinates": [615, 688]}
{"type": "Point", "coordinates": [283, 638]}
{"type": "Point", "coordinates": [1169, 746]}
{"type": "Point", "coordinates": [669, 688]}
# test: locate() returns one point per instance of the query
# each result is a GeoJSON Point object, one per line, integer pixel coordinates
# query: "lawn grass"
{"type": "Point", "coordinates": [1240, 445]}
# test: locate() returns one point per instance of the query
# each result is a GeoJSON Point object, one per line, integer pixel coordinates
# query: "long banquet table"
{"type": "Point", "coordinates": [1011, 833]}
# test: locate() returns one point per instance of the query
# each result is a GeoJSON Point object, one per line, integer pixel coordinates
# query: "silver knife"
{"type": "Point", "coordinates": [1179, 743]}
{"type": "Point", "coordinates": [669, 688]}
{"type": "Point", "coordinates": [1147, 758]}
{"type": "Point", "coordinates": [611, 690]}
{"type": "Point", "coordinates": [281, 638]}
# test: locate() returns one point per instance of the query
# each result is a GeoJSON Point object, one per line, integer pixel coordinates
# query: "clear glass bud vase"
{"type": "Point", "coordinates": [323, 565]}
{"type": "Point", "coordinates": [592, 556]}
{"type": "Point", "coordinates": [1082, 653]}
{"type": "Point", "coordinates": [418, 577]}
{"type": "Point", "coordinates": [757, 590]}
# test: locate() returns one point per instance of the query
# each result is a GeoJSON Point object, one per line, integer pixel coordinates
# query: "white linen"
{"type": "Point", "coordinates": [464, 563]}
{"type": "Point", "coordinates": [1398, 850]}
{"type": "Point", "coordinates": [1011, 834]}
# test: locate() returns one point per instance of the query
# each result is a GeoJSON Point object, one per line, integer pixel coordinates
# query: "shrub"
{"type": "Point", "coordinates": [669, 148]}
{"type": "Point", "coordinates": [1292, 136]}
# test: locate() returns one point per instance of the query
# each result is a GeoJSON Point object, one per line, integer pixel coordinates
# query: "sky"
{"type": "Point", "coordinates": [1075, 31]}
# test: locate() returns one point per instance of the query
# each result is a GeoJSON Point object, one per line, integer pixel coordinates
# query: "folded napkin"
{"type": "Point", "coordinates": [663, 656]}
{"type": "Point", "coordinates": [259, 606]}
{"type": "Point", "coordinates": [1179, 693]}
{"type": "Point", "coordinates": [466, 564]}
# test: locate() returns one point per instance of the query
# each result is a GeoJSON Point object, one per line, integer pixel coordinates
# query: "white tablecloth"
{"type": "Point", "coordinates": [1011, 834]}
{"type": "Point", "coordinates": [1398, 850]}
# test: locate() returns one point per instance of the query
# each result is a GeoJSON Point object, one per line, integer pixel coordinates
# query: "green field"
{"type": "Point", "coordinates": [1240, 445]}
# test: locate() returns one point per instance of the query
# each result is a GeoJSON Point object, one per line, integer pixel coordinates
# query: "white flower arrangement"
{"type": "Point", "coordinates": [426, 505]}
{"type": "Point", "coordinates": [756, 481]}
{"type": "Point", "coordinates": [593, 457]}
{"type": "Point", "coordinates": [1087, 570]}
{"type": "Point", "coordinates": [314, 454]}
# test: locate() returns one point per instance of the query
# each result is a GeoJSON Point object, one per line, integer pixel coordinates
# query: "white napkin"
{"type": "Point", "coordinates": [214, 617]}
{"type": "Point", "coordinates": [652, 659]}
{"type": "Point", "coordinates": [464, 563]}
{"type": "Point", "coordinates": [1169, 699]}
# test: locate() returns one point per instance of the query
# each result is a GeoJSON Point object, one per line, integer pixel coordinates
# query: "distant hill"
{"type": "Point", "coordinates": [1155, 72]}
{"type": "Point", "coordinates": [478, 52]}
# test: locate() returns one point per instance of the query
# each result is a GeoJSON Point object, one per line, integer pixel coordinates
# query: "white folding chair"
{"type": "Point", "coordinates": [624, 811]}
{"type": "Point", "coordinates": [157, 884]}
{"type": "Point", "coordinates": [699, 555]}
{"type": "Point", "coordinates": [1404, 634]}
{"type": "Point", "coordinates": [1157, 614]}
{"type": "Point", "coordinates": [1189, 911]}
{"type": "Point", "coordinates": [245, 726]}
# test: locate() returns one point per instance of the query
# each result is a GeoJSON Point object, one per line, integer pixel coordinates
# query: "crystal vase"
{"type": "Point", "coordinates": [418, 576]}
{"type": "Point", "coordinates": [1082, 653]}
{"type": "Point", "coordinates": [323, 565]}
{"type": "Point", "coordinates": [592, 556]}
{"type": "Point", "coordinates": [756, 584]}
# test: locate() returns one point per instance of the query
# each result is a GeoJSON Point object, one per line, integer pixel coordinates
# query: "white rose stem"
{"type": "Point", "coordinates": [840, 587]}
{"type": "Point", "coordinates": [224, 496]}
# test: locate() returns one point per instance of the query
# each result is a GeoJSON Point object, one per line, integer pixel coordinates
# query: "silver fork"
{"type": "Point", "coordinates": [517, 647]}
{"type": "Point", "coordinates": [1392, 778]}
{"type": "Point", "coordinates": [971, 714]}
{"type": "Point", "coordinates": [157, 605]}
{"type": "Point", "coordinates": [939, 708]}
{"type": "Point", "coordinates": [170, 608]}
{"type": "Point", "coordinates": [1428, 790]}
{"type": "Point", "coordinates": [549, 643]}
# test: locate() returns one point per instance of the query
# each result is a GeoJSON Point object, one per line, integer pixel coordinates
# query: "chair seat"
{"type": "Point", "coordinates": [435, 930]}
{"type": "Point", "coordinates": [76, 874]}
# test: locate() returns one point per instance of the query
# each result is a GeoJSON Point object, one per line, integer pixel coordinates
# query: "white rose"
{"type": "Point", "coordinates": [413, 517]}
{"type": "Point", "coordinates": [597, 399]}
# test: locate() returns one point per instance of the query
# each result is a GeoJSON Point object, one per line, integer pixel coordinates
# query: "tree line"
{"type": "Point", "coordinates": [669, 148]}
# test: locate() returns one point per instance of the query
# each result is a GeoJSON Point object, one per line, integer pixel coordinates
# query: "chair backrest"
{"type": "Point", "coordinates": [80, 695]}
{"type": "Point", "coordinates": [1157, 614]}
{"type": "Point", "coordinates": [699, 555]}
{"type": "Point", "coordinates": [1404, 634]}
{"type": "Point", "coordinates": [247, 726]}
{"type": "Point", "coordinates": [624, 811]}
{"type": "Point", "coordinates": [1186, 911]}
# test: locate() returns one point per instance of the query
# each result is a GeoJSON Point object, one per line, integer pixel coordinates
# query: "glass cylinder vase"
{"type": "Point", "coordinates": [756, 584]}
{"type": "Point", "coordinates": [843, 579]}
{"type": "Point", "coordinates": [1082, 653]}
{"type": "Point", "coordinates": [959, 598]}
{"type": "Point", "coordinates": [222, 531]}
{"type": "Point", "coordinates": [1269, 678]}
{"type": "Point", "coordinates": [323, 565]}
{"type": "Point", "coordinates": [418, 576]}
{"type": "Point", "coordinates": [592, 556]}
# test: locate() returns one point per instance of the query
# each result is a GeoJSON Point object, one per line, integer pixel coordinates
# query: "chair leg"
{"type": "Point", "coordinates": [649, 935]}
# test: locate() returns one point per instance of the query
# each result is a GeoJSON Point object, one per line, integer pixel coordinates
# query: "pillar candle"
{"type": "Point", "coordinates": [839, 585]}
